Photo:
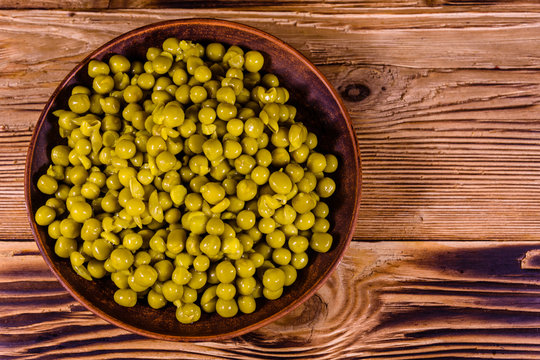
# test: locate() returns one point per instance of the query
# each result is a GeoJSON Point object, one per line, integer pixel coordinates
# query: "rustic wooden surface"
{"type": "Point", "coordinates": [445, 99]}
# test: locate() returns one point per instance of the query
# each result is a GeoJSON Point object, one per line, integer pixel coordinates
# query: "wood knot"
{"type": "Point", "coordinates": [355, 92]}
{"type": "Point", "coordinates": [531, 260]}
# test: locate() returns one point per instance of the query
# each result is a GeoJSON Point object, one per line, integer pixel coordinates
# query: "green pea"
{"type": "Point", "coordinates": [245, 268]}
{"type": "Point", "coordinates": [290, 274]}
{"type": "Point", "coordinates": [181, 275]}
{"type": "Point", "coordinates": [201, 263]}
{"type": "Point", "coordinates": [59, 155]}
{"type": "Point", "coordinates": [210, 245]}
{"type": "Point", "coordinates": [246, 189]}
{"type": "Point", "coordinates": [299, 260]}
{"type": "Point", "coordinates": [326, 187]}
{"type": "Point", "coordinates": [226, 308]}
{"type": "Point", "coordinates": [156, 300]}
{"type": "Point", "coordinates": [272, 294]}
{"type": "Point", "coordinates": [305, 221]}
{"type": "Point", "coordinates": [70, 228]}
{"type": "Point", "coordinates": [161, 64]}
{"type": "Point", "coordinates": [244, 164]}
{"type": "Point", "coordinates": [226, 291]}
{"type": "Point", "coordinates": [145, 275]}
{"type": "Point", "coordinates": [215, 52]}
{"type": "Point", "coordinates": [96, 67]}
{"type": "Point", "coordinates": [198, 280]}
{"type": "Point", "coordinates": [197, 94]}
{"type": "Point", "coordinates": [285, 215]}
{"type": "Point", "coordinates": [64, 246]}
{"type": "Point", "coordinates": [254, 61]}
{"type": "Point", "coordinates": [308, 182]}
{"type": "Point", "coordinates": [331, 163]}
{"type": "Point", "coordinates": [81, 211]}
{"type": "Point", "coordinates": [245, 219]}
{"type": "Point", "coordinates": [121, 259]}
{"type": "Point", "coordinates": [47, 184]}
{"type": "Point", "coordinates": [103, 84]}
{"type": "Point", "coordinates": [54, 229]}
{"type": "Point", "coordinates": [250, 146]}
{"type": "Point", "coordinates": [125, 297]}
{"type": "Point", "coordinates": [91, 229]}
{"type": "Point", "coordinates": [79, 103]}
{"type": "Point", "coordinates": [142, 258]}
{"type": "Point", "coordinates": [132, 94]}
{"type": "Point", "coordinates": [226, 111]}
{"type": "Point", "coordinates": [235, 127]}
{"type": "Point", "coordinates": [274, 279]}
{"type": "Point", "coordinates": [96, 269]}
{"type": "Point", "coordinates": [119, 63]}
{"type": "Point", "coordinates": [165, 161]}
{"type": "Point", "coordinates": [321, 242]}
{"type": "Point", "coordinates": [101, 249]}
{"type": "Point", "coordinates": [232, 149]}
{"type": "Point", "coordinates": [188, 313]}
{"type": "Point", "coordinates": [276, 239]}
{"type": "Point", "coordinates": [245, 286]}
{"type": "Point", "coordinates": [172, 291]}
{"type": "Point", "coordinates": [180, 77]}
{"type": "Point", "coordinates": [215, 226]}
{"type": "Point", "coordinates": [281, 256]}
{"type": "Point", "coordinates": [301, 154]}
{"type": "Point", "coordinates": [225, 272]}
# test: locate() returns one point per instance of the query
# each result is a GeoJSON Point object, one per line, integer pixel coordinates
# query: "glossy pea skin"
{"type": "Point", "coordinates": [65, 246]}
{"type": "Point", "coordinates": [225, 272]}
{"type": "Point", "coordinates": [254, 61]}
{"type": "Point", "coordinates": [79, 103]}
{"type": "Point", "coordinates": [121, 259]}
{"type": "Point", "coordinates": [273, 279]}
{"type": "Point", "coordinates": [145, 275]}
{"type": "Point", "coordinates": [119, 63]}
{"type": "Point", "coordinates": [326, 187]}
{"type": "Point", "coordinates": [226, 308]}
{"type": "Point", "coordinates": [45, 215]}
{"type": "Point", "coordinates": [321, 242]}
{"type": "Point", "coordinates": [59, 155]}
{"type": "Point", "coordinates": [125, 297]}
{"type": "Point", "coordinates": [156, 300]}
{"type": "Point", "coordinates": [188, 313]}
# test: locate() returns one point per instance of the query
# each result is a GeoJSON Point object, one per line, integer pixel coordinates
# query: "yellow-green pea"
{"type": "Point", "coordinates": [326, 187]}
{"type": "Point", "coordinates": [156, 300]}
{"type": "Point", "coordinates": [226, 308]}
{"type": "Point", "coordinates": [45, 215]}
{"type": "Point", "coordinates": [172, 291]}
{"type": "Point", "coordinates": [188, 313]}
{"type": "Point", "coordinates": [47, 184]}
{"type": "Point", "coordinates": [125, 297]}
{"type": "Point", "coordinates": [64, 246]}
{"type": "Point", "coordinates": [321, 242]}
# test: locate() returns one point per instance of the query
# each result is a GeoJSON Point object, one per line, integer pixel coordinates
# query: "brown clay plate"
{"type": "Point", "coordinates": [319, 106]}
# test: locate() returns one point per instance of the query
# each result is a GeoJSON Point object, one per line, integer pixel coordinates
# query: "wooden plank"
{"type": "Point", "coordinates": [471, 40]}
{"type": "Point", "coordinates": [303, 5]}
{"type": "Point", "coordinates": [442, 147]}
{"type": "Point", "coordinates": [411, 300]}
{"type": "Point", "coordinates": [52, 4]}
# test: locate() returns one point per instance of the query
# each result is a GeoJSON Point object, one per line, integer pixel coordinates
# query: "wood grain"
{"type": "Point", "coordinates": [411, 300]}
{"type": "Point", "coordinates": [308, 5]}
{"type": "Point", "coordinates": [444, 95]}
{"type": "Point", "coordinates": [444, 142]}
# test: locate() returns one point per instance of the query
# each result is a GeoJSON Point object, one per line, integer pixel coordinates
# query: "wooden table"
{"type": "Point", "coordinates": [445, 100]}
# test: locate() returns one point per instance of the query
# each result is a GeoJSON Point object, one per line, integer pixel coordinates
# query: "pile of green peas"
{"type": "Point", "coordinates": [187, 180]}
